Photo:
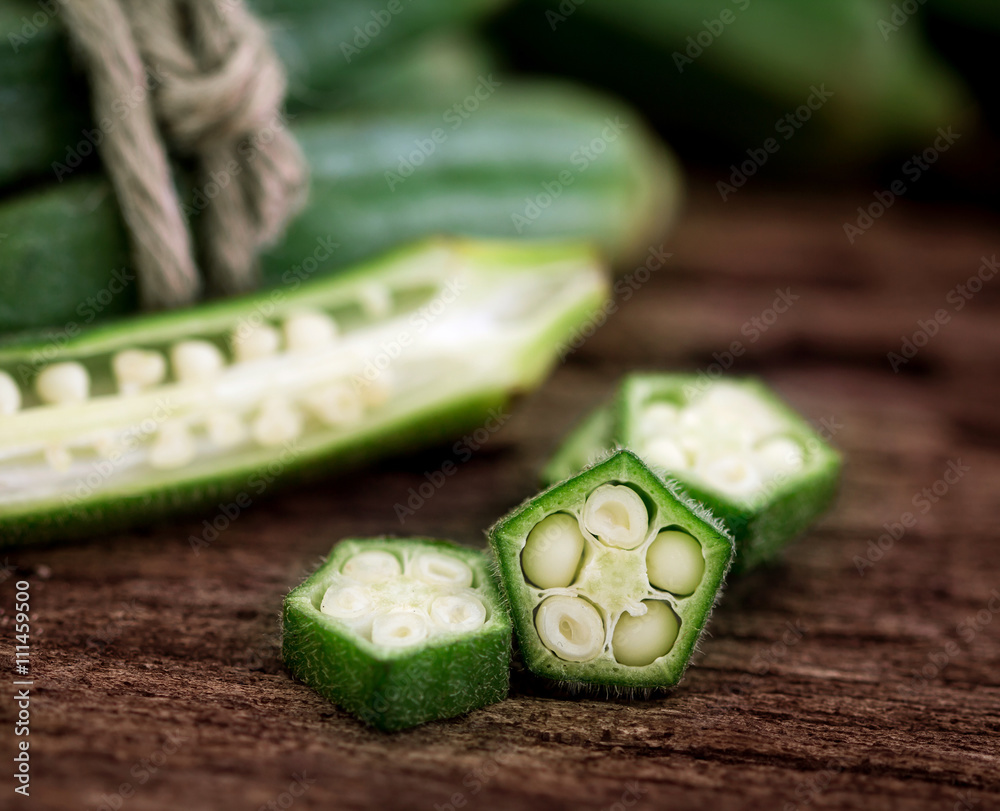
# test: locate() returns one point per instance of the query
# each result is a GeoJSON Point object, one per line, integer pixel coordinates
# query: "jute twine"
{"type": "Point", "coordinates": [197, 79]}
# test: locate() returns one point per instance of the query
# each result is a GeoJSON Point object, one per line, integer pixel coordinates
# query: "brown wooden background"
{"type": "Point", "coordinates": [158, 680]}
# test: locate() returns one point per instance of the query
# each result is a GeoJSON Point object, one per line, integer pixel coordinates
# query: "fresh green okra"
{"type": "Point", "coordinates": [121, 423]}
{"type": "Point", "coordinates": [400, 631]}
{"type": "Point", "coordinates": [611, 576]}
{"type": "Point", "coordinates": [730, 444]}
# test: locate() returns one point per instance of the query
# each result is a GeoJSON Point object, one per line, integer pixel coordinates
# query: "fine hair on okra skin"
{"type": "Point", "coordinates": [731, 444]}
{"type": "Point", "coordinates": [125, 423]}
{"type": "Point", "coordinates": [400, 631]}
{"type": "Point", "coordinates": [611, 576]}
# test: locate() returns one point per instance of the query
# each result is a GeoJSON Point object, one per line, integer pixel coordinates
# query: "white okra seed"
{"type": "Point", "coordinates": [137, 369]}
{"type": "Point", "coordinates": [10, 394]}
{"type": "Point", "coordinates": [309, 331]}
{"type": "Point", "coordinates": [780, 454]}
{"type": "Point", "coordinates": [552, 551]}
{"type": "Point", "coordinates": [399, 629]}
{"type": "Point", "coordinates": [616, 516]}
{"type": "Point", "coordinates": [640, 641]}
{"type": "Point", "coordinates": [665, 453]}
{"type": "Point", "coordinates": [277, 422]}
{"type": "Point", "coordinates": [570, 627]}
{"type": "Point", "coordinates": [733, 474]}
{"type": "Point", "coordinates": [63, 383]}
{"type": "Point", "coordinates": [376, 300]}
{"type": "Point", "coordinates": [172, 448]}
{"type": "Point", "coordinates": [376, 391]}
{"type": "Point", "coordinates": [458, 612]}
{"type": "Point", "coordinates": [59, 458]}
{"type": "Point", "coordinates": [675, 563]}
{"type": "Point", "coordinates": [196, 361]}
{"type": "Point", "coordinates": [335, 404]}
{"type": "Point", "coordinates": [346, 601]}
{"type": "Point", "coordinates": [658, 420]}
{"type": "Point", "coordinates": [225, 429]}
{"type": "Point", "coordinates": [441, 570]}
{"type": "Point", "coordinates": [253, 342]}
{"type": "Point", "coordinates": [372, 566]}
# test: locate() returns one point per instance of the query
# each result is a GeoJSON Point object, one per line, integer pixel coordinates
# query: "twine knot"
{"type": "Point", "coordinates": [214, 101]}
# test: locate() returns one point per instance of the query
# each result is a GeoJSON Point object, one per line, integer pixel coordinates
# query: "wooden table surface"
{"type": "Point", "coordinates": [822, 683]}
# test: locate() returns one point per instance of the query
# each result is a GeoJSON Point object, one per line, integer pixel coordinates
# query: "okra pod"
{"type": "Point", "coordinates": [400, 631]}
{"type": "Point", "coordinates": [119, 424]}
{"type": "Point", "coordinates": [610, 576]}
{"type": "Point", "coordinates": [730, 444]}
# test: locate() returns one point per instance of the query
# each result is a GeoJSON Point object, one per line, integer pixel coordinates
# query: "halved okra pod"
{"type": "Point", "coordinates": [119, 424]}
{"type": "Point", "coordinates": [400, 631]}
{"type": "Point", "coordinates": [730, 444]}
{"type": "Point", "coordinates": [610, 576]}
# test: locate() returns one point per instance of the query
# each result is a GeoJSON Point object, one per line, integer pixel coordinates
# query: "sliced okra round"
{"type": "Point", "coordinates": [400, 631]}
{"type": "Point", "coordinates": [731, 444]}
{"type": "Point", "coordinates": [125, 422]}
{"type": "Point", "coordinates": [610, 576]}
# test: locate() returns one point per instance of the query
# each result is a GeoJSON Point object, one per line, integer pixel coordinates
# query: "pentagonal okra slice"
{"type": "Point", "coordinates": [119, 423]}
{"type": "Point", "coordinates": [730, 444]}
{"type": "Point", "coordinates": [610, 576]}
{"type": "Point", "coordinates": [400, 631]}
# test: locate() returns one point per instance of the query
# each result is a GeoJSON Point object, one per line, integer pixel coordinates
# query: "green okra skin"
{"type": "Point", "coordinates": [123, 423]}
{"type": "Point", "coordinates": [400, 631]}
{"type": "Point", "coordinates": [732, 445]}
{"type": "Point", "coordinates": [592, 596]}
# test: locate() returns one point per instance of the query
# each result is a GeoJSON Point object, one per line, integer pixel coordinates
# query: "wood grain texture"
{"type": "Point", "coordinates": [157, 678]}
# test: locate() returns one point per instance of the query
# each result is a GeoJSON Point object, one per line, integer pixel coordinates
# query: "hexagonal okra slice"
{"type": "Point", "coordinates": [730, 444]}
{"type": "Point", "coordinates": [610, 576]}
{"type": "Point", "coordinates": [400, 631]}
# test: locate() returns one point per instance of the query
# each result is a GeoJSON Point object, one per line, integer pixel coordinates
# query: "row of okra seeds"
{"type": "Point", "coordinates": [607, 577]}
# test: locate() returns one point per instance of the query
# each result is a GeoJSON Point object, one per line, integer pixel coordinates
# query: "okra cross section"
{"type": "Point", "coordinates": [610, 576]}
{"type": "Point", "coordinates": [731, 444]}
{"type": "Point", "coordinates": [400, 631]}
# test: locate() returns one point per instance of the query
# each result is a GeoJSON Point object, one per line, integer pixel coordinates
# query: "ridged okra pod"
{"type": "Point", "coordinates": [731, 444]}
{"type": "Point", "coordinates": [121, 423]}
{"type": "Point", "coordinates": [400, 631]}
{"type": "Point", "coordinates": [610, 576]}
